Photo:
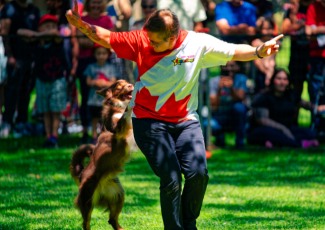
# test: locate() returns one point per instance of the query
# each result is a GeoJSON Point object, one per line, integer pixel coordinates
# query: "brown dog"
{"type": "Point", "coordinates": [98, 182]}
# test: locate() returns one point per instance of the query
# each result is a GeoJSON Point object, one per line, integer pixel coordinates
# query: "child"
{"type": "Point", "coordinates": [99, 75]}
{"type": "Point", "coordinates": [50, 69]}
{"type": "Point", "coordinates": [265, 66]}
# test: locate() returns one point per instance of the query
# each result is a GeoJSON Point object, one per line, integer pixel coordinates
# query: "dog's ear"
{"type": "Point", "coordinates": [106, 93]}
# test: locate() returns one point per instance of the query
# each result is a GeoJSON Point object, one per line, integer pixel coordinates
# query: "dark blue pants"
{"type": "Point", "coordinates": [261, 134]}
{"type": "Point", "coordinates": [317, 65]}
{"type": "Point", "coordinates": [84, 89]}
{"type": "Point", "coordinates": [173, 149]}
{"type": "Point", "coordinates": [232, 120]}
{"type": "Point", "coordinates": [17, 91]}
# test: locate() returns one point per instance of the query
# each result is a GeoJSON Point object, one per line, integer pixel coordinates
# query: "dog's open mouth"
{"type": "Point", "coordinates": [128, 96]}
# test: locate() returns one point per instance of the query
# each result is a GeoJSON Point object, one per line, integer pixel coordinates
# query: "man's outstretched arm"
{"type": "Point", "coordinates": [247, 52]}
{"type": "Point", "coordinates": [95, 33]}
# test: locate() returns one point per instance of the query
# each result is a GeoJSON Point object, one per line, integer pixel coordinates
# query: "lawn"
{"type": "Point", "coordinates": [252, 189]}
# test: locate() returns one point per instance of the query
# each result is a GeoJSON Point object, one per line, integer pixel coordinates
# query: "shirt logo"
{"type": "Point", "coordinates": [179, 61]}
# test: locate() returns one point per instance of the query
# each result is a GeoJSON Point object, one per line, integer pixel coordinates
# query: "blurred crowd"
{"type": "Point", "coordinates": [256, 100]}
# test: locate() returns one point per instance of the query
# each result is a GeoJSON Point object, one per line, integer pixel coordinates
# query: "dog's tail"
{"type": "Point", "coordinates": [78, 160]}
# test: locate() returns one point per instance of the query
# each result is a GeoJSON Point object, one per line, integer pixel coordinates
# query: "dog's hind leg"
{"type": "Point", "coordinates": [116, 208]}
{"type": "Point", "coordinates": [85, 201]}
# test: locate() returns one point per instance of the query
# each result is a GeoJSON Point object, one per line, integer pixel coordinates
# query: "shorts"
{"type": "Point", "coordinates": [95, 111]}
{"type": "Point", "coordinates": [51, 96]}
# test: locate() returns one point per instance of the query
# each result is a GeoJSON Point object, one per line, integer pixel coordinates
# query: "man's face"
{"type": "Point", "coordinates": [101, 54]}
{"type": "Point", "coordinates": [148, 7]}
{"type": "Point", "coordinates": [236, 2]}
{"type": "Point", "coordinates": [157, 40]}
{"type": "Point", "coordinates": [47, 26]}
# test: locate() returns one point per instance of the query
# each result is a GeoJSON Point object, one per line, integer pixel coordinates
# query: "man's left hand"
{"type": "Point", "coordinates": [269, 48]}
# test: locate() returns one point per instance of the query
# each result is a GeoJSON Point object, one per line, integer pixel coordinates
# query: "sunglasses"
{"type": "Point", "coordinates": [157, 45]}
{"type": "Point", "coordinates": [148, 6]}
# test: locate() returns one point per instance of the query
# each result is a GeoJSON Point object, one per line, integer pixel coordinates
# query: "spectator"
{"type": "Point", "coordinates": [274, 110]}
{"type": "Point", "coordinates": [315, 25]}
{"type": "Point", "coordinates": [3, 62]}
{"type": "Point", "coordinates": [148, 7]}
{"type": "Point", "coordinates": [50, 67]}
{"type": "Point", "coordinates": [208, 23]}
{"type": "Point", "coordinates": [235, 18]}
{"type": "Point", "coordinates": [18, 14]}
{"type": "Point", "coordinates": [294, 24]}
{"type": "Point", "coordinates": [120, 11]}
{"type": "Point", "coordinates": [264, 8]}
{"type": "Point", "coordinates": [93, 10]}
{"type": "Point", "coordinates": [265, 66]}
{"type": "Point", "coordinates": [71, 48]}
{"type": "Point", "coordinates": [99, 75]}
{"type": "Point", "coordinates": [191, 14]}
{"type": "Point", "coordinates": [227, 94]}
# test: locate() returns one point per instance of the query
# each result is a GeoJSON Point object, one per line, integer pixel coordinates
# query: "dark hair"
{"type": "Point", "coordinates": [65, 6]}
{"type": "Point", "coordinates": [87, 7]}
{"type": "Point", "coordinates": [260, 22]}
{"type": "Point", "coordinates": [276, 71]}
{"type": "Point", "coordinates": [144, 2]}
{"type": "Point", "coordinates": [164, 22]}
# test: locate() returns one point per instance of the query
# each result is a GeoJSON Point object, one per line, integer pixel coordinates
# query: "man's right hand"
{"type": "Point", "coordinates": [73, 16]}
{"type": "Point", "coordinates": [226, 82]}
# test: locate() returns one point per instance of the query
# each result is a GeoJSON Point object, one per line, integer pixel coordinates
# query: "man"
{"type": "Point", "coordinates": [315, 25]}
{"type": "Point", "coordinates": [227, 93]}
{"type": "Point", "coordinates": [235, 18]}
{"type": "Point", "coordinates": [16, 15]}
{"type": "Point", "coordinates": [190, 14]}
{"type": "Point", "coordinates": [164, 102]}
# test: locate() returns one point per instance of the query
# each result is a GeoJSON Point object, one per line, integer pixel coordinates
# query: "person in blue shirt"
{"type": "Point", "coordinates": [235, 18]}
{"type": "Point", "coordinates": [227, 93]}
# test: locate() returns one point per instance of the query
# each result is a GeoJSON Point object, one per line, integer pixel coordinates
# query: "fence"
{"type": "Point", "coordinates": [215, 124]}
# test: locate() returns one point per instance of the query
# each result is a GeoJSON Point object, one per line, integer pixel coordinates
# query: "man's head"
{"type": "Point", "coordinates": [163, 30]}
{"type": "Point", "coordinates": [47, 22]}
{"type": "Point", "coordinates": [236, 2]}
{"type": "Point", "coordinates": [101, 54]}
{"type": "Point", "coordinates": [230, 69]}
{"type": "Point", "coordinates": [148, 7]}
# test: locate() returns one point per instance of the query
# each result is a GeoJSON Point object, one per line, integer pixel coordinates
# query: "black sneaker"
{"type": "Point", "coordinates": [50, 144]}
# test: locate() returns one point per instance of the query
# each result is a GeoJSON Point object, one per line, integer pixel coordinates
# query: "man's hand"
{"type": "Point", "coordinates": [226, 82]}
{"type": "Point", "coordinates": [269, 48]}
{"type": "Point", "coordinates": [321, 108]}
{"type": "Point", "coordinates": [73, 15]}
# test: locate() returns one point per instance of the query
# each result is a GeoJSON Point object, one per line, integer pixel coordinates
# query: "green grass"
{"type": "Point", "coordinates": [281, 189]}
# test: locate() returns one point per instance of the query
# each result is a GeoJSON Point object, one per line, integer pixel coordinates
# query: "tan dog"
{"type": "Point", "coordinates": [98, 182]}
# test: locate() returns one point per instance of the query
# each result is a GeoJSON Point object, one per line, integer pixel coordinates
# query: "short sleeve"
{"type": "Point", "coordinates": [115, 72]}
{"type": "Point", "coordinates": [215, 52]}
{"type": "Point", "coordinates": [311, 16]}
{"type": "Point", "coordinates": [200, 13]}
{"type": "Point", "coordinates": [214, 86]}
{"type": "Point", "coordinates": [287, 14]}
{"type": "Point", "coordinates": [260, 101]}
{"type": "Point", "coordinates": [87, 72]}
{"type": "Point", "coordinates": [240, 82]}
{"type": "Point", "coordinates": [7, 11]}
{"type": "Point", "coordinates": [221, 11]}
{"type": "Point", "coordinates": [252, 18]}
{"type": "Point", "coordinates": [126, 44]}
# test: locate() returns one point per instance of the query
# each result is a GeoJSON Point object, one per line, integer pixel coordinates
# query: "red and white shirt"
{"type": "Point", "coordinates": [167, 86]}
